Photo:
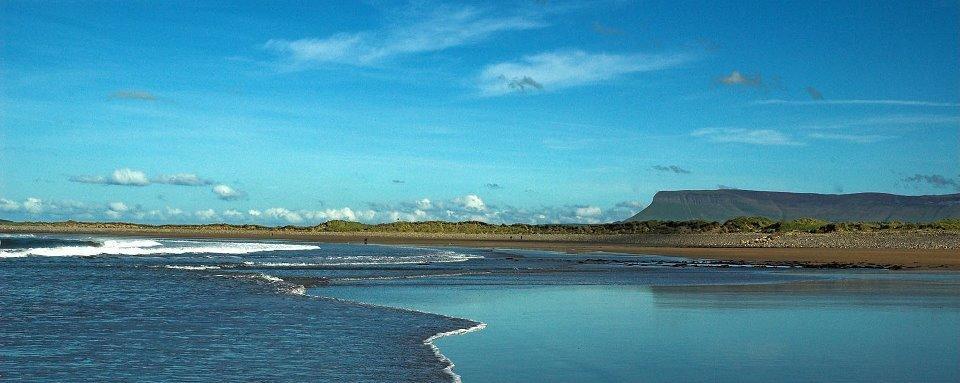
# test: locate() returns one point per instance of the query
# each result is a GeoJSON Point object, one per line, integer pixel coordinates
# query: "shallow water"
{"type": "Point", "coordinates": [596, 333]}
{"type": "Point", "coordinates": [175, 310]}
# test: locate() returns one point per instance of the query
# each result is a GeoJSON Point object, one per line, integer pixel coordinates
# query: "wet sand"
{"type": "Point", "coordinates": [888, 250]}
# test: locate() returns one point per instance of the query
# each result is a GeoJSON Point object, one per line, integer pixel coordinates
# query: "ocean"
{"type": "Point", "coordinates": [94, 309]}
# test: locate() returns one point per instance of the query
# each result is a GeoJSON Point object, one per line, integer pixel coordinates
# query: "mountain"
{"type": "Point", "coordinates": [721, 205]}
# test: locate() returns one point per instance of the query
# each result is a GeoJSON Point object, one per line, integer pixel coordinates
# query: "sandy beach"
{"type": "Point", "coordinates": [907, 250]}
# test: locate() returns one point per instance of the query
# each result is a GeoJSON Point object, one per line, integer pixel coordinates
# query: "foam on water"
{"type": "Point", "coordinates": [429, 341]}
{"type": "Point", "coordinates": [151, 247]}
{"type": "Point", "coordinates": [390, 278]}
{"type": "Point", "coordinates": [187, 267]}
{"type": "Point", "coordinates": [8, 235]}
{"type": "Point", "coordinates": [443, 358]}
{"type": "Point", "coordinates": [364, 260]}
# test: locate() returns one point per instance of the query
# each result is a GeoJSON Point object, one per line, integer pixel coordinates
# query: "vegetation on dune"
{"type": "Point", "coordinates": [809, 225]}
{"type": "Point", "coordinates": [735, 225]}
{"type": "Point", "coordinates": [747, 224]}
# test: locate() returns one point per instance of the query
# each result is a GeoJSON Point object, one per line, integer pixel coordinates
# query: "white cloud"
{"type": "Point", "coordinates": [855, 138]}
{"type": "Point", "coordinates": [124, 177]}
{"type": "Point", "coordinates": [890, 121]}
{"type": "Point", "coordinates": [345, 214]}
{"type": "Point", "coordinates": [33, 205]}
{"type": "Point", "coordinates": [182, 179]}
{"type": "Point", "coordinates": [205, 215]}
{"type": "Point", "coordinates": [445, 28]}
{"type": "Point", "coordinates": [130, 177]}
{"type": "Point", "coordinates": [424, 204]}
{"type": "Point", "coordinates": [8, 205]}
{"type": "Point", "coordinates": [117, 206]}
{"type": "Point", "coordinates": [861, 102]}
{"type": "Point", "coordinates": [563, 69]}
{"type": "Point", "coordinates": [745, 136]}
{"type": "Point", "coordinates": [127, 176]}
{"type": "Point", "coordinates": [227, 193]}
{"type": "Point", "coordinates": [37, 206]}
{"type": "Point", "coordinates": [283, 214]}
{"type": "Point", "coordinates": [471, 202]}
{"type": "Point", "coordinates": [469, 207]}
{"type": "Point", "coordinates": [230, 213]}
{"type": "Point", "coordinates": [342, 214]}
{"type": "Point", "coordinates": [366, 215]}
{"type": "Point", "coordinates": [588, 212]}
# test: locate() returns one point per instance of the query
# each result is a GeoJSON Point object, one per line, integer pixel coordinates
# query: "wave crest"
{"type": "Point", "coordinates": [151, 247]}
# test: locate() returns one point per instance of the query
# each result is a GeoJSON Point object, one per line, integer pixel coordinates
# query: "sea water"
{"type": "Point", "coordinates": [110, 309]}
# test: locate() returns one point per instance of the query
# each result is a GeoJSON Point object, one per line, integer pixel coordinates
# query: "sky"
{"type": "Point", "coordinates": [299, 112]}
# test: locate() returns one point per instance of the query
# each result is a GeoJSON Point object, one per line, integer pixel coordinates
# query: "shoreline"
{"type": "Point", "coordinates": [428, 341]}
{"type": "Point", "coordinates": [892, 250]}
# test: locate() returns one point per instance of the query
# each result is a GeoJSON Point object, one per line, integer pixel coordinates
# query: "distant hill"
{"type": "Point", "coordinates": [721, 205]}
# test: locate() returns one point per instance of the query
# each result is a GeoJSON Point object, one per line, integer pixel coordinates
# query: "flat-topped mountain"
{"type": "Point", "coordinates": [721, 205]}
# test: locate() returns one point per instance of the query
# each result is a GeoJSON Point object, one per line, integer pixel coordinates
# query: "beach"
{"type": "Point", "coordinates": [897, 249]}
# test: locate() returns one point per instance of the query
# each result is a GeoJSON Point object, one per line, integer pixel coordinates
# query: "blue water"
{"type": "Point", "coordinates": [100, 309]}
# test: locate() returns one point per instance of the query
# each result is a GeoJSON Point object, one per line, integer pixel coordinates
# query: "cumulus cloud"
{"type": "Point", "coordinates": [130, 177]}
{"type": "Point", "coordinates": [7, 205]}
{"type": "Point", "coordinates": [424, 204]}
{"type": "Point", "coordinates": [38, 206]}
{"type": "Point", "coordinates": [564, 69]}
{"type": "Point", "coordinates": [344, 214]}
{"type": "Point", "coordinates": [671, 169]}
{"type": "Point", "coordinates": [116, 209]}
{"type": "Point", "coordinates": [118, 206]}
{"type": "Point", "coordinates": [182, 179]}
{"type": "Point", "coordinates": [444, 28]}
{"type": "Point", "coordinates": [471, 202]}
{"type": "Point", "coordinates": [283, 214]}
{"type": "Point", "coordinates": [745, 136]}
{"type": "Point", "coordinates": [206, 214]}
{"type": "Point", "coordinates": [133, 95]}
{"type": "Point", "coordinates": [43, 209]}
{"type": "Point", "coordinates": [465, 208]}
{"type": "Point", "coordinates": [935, 180]}
{"type": "Point", "coordinates": [230, 213]}
{"type": "Point", "coordinates": [33, 205]}
{"type": "Point", "coordinates": [588, 212]}
{"type": "Point", "coordinates": [227, 193]}
{"type": "Point", "coordinates": [123, 177]}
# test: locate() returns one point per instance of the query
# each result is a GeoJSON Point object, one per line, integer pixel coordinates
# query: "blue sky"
{"type": "Point", "coordinates": [540, 111]}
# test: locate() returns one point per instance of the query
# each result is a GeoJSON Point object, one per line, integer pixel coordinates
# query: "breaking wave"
{"type": "Point", "coordinates": [151, 247]}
